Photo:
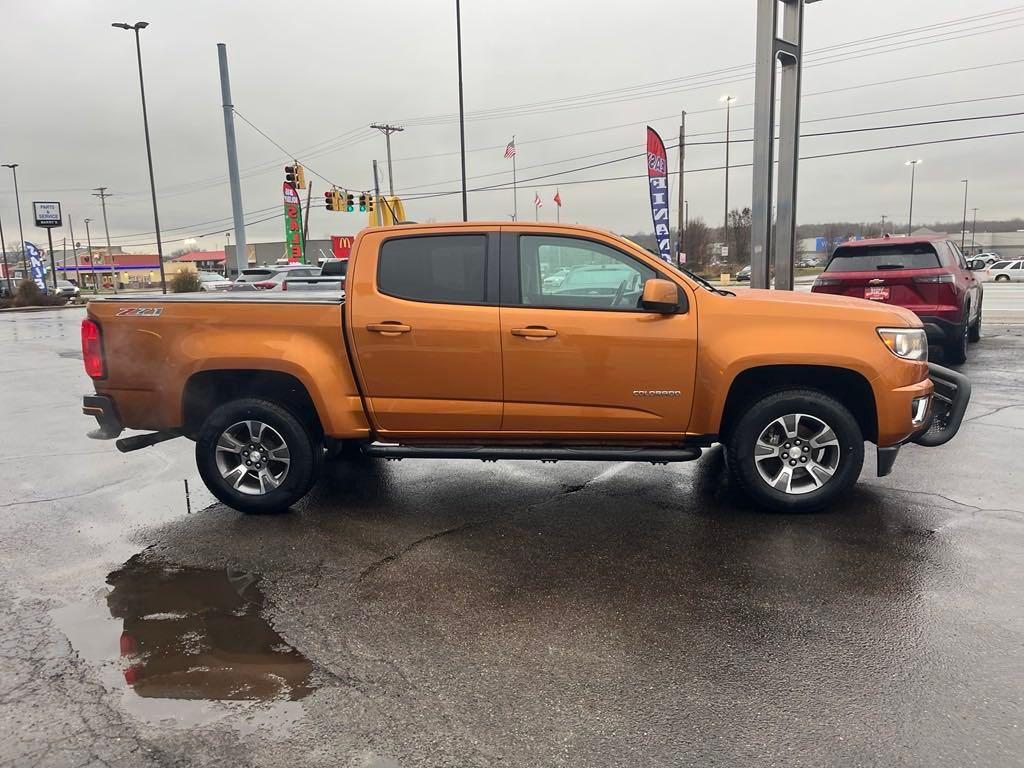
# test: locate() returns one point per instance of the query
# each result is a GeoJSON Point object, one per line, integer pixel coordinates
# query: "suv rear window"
{"type": "Point", "coordinates": [1001, 264]}
{"type": "Point", "coordinates": [871, 258]}
{"type": "Point", "coordinates": [448, 269]}
{"type": "Point", "coordinates": [254, 275]}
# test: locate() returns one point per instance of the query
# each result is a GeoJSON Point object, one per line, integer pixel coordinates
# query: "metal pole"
{"type": "Point", "coordinates": [515, 194]}
{"type": "Point", "coordinates": [974, 227]}
{"type": "Point", "coordinates": [7, 267]}
{"type": "Point", "coordinates": [728, 103]}
{"type": "Point", "coordinates": [462, 111]}
{"type": "Point", "coordinates": [387, 130]}
{"type": "Point", "coordinates": [102, 194]}
{"type": "Point", "coordinates": [910, 217]}
{"type": "Point", "coordinates": [17, 201]}
{"type": "Point", "coordinates": [53, 261]}
{"type": "Point", "coordinates": [764, 144]}
{"type": "Point", "coordinates": [963, 229]}
{"type": "Point", "coordinates": [149, 159]}
{"type": "Point", "coordinates": [88, 242]}
{"type": "Point", "coordinates": [78, 276]}
{"type": "Point", "coordinates": [92, 262]}
{"type": "Point", "coordinates": [376, 194]}
{"type": "Point", "coordinates": [882, 232]}
{"type": "Point", "coordinates": [241, 261]}
{"type": "Point", "coordinates": [681, 239]}
{"type": "Point", "coordinates": [790, 57]}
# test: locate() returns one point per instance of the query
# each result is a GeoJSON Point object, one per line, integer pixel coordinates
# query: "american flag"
{"type": "Point", "coordinates": [558, 199]}
{"type": "Point", "coordinates": [537, 201]}
{"type": "Point", "coordinates": [510, 150]}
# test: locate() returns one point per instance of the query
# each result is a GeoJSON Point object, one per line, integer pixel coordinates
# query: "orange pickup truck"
{"type": "Point", "coordinates": [517, 341]}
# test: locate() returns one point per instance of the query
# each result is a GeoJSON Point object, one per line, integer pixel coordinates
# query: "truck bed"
{"type": "Point", "coordinates": [239, 297]}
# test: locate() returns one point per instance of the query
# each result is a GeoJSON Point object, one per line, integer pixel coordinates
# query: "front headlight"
{"type": "Point", "coordinates": [908, 343]}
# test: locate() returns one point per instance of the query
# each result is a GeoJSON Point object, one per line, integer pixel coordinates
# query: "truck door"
{"type": "Point", "coordinates": [423, 318]}
{"type": "Point", "coordinates": [580, 358]}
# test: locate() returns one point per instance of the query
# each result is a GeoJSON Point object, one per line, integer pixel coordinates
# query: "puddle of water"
{"type": "Point", "coordinates": [189, 646]}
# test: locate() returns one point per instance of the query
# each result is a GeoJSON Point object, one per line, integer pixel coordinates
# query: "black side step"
{"type": "Point", "coordinates": [136, 442]}
{"type": "Point", "coordinates": [542, 453]}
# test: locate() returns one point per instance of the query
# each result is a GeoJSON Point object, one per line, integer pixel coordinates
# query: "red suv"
{"type": "Point", "coordinates": [928, 275]}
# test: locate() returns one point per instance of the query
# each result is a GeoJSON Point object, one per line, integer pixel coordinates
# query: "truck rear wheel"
{"type": "Point", "coordinates": [256, 457]}
{"type": "Point", "coordinates": [796, 451]}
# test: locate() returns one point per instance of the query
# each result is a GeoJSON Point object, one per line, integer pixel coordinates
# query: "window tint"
{"type": "Point", "coordinates": [448, 268]}
{"type": "Point", "coordinates": [1016, 266]}
{"type": "Point", "coordinates": [870, 258]}
{"type": "Point", "coordinates": [578, 274]}
{"type": "Point", "coordinates": [254, 275]}
{"type": "Point", "coordinates": [1001, 265]}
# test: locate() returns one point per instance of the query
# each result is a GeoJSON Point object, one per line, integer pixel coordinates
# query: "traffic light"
{"type": "Point", "coordinates": [349, 202]}
{"type": "Point", "coordinates": [289, 174]}
{"type": "Point", "coordinates": [362, 202]}
{"type": "Point", "coordinates": [332, 200]}
{"type": "Point", "coordinates": [295, 175]}
{"type": "Point", "coordinates": [369, 202]}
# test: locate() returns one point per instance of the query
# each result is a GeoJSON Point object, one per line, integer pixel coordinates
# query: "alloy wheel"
{"type": "Point", "coordinates": [797, 453]}
{"type": "Point", "coordinates": [252, 457]}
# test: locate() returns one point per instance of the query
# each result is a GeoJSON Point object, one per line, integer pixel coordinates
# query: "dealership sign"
{"type": "Point", "coordinates": [657, 180]}
{"type": "Point", "coordinates": [47, 214]}
{"type": "Point", "coordinates": [293, 224]}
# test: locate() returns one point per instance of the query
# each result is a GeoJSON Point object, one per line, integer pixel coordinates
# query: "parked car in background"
{"type": "Point", "coordinates": [270, 278]}
{"type": "Point", "coordinates": [1004, 271]}
{"type": "Point", "coordinates": [555, 278]}
{"type": "Point", "coordinates": [211, 281]}
{"type": "Point", "coordinates": [928, 275]}
{"type": "Point", "coordinates": [743, 276]}
{"type": "Point", "coordinates": [68, 289]}
{"type": "Point", "coordinates": [989, 258]}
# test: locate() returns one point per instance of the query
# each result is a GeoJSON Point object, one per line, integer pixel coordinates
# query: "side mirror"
{"type": "Point", "coordinates": [977, 265]}
{"type": "Point", "coordinates": [660, 296]}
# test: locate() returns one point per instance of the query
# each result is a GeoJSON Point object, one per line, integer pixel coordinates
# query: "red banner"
{"type": "Point", "coordinates": [657, 178]}
{"type": "Point", "coordinates": [341, 246]}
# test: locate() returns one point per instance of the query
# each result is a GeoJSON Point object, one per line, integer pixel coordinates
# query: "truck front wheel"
{"type": "Point", "coordinates": [256, 457]}
{"type": "Point", "coordinates": [796, 451]}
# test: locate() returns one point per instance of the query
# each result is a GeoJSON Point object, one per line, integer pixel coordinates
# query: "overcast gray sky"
{"type": "Point", "coordinates": [314, 75]}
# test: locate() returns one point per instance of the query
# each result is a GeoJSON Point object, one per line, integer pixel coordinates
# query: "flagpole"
{"type": "Point", "coordinates": [515, 202]}
{"type": "Point", "coordinates": [558, 209]}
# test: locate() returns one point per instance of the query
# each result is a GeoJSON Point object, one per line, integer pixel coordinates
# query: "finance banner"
{"type": "Point", "coordinates": [657, 179]}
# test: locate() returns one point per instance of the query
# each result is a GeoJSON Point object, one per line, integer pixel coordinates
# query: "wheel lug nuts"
{"type": "Point", "coordinates": [248, 463]}
{"type": "Point", "coordinates": [803, 459]}
{"type": "Point", "coordinates": [806, 449]}
{"type": "Point", "coordinates": [792, 463]}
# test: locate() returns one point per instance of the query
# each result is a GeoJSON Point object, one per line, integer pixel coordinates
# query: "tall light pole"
{"type": "Point", "coordinates": [7, 267]}
{"type": "Point", "coordinates": [139, 25]}
{"type": "Point", "coordinates": [963, 229]}
{"type": "Point", "coordinates": [88, 240]}
{"type": "Point", "coordinates": [913, 172]}
{"type": "Point", "coordinates": [974, 227]}
{"type": "Point", "coordinates": [17, 201]}
{"type": "Point", "coordinates": [728, 100]}
{"type": "Point", "coordinates": [882, 233]}
{"type": "Point", "coordinates": [462, 110]}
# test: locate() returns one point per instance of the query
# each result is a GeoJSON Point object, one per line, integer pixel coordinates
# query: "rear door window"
{"type": "Point", "coordinates": [447, 269]}
{"type": "Point", "coordinates": [873, 258]}
{"type": "Point", "coordinates": [254, 275]}
{"type": "Point", "coordinates": [1001, 265]}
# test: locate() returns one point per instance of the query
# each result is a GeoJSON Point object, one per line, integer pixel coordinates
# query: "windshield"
{"type": "Point", "coordinates": [254, 275]}
{"type": "Point", "coordinates": [210, 277]}
{"type": "Point", "coordinates": [871, 258]}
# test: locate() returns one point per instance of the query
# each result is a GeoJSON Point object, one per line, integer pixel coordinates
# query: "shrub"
{"type": "Point", "coordinates": [29, 294]}
{"type": "Point", "coordinates": [185, 281]}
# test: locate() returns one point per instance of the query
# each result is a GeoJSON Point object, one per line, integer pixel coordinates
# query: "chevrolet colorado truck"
{"type": "Point", "coordinates": [449, 343]}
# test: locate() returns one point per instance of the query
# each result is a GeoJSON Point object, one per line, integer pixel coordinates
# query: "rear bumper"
{"type": "Point", "coordinates": [940, 330]}
{"type": "Point", "coordinates": [105, 412]}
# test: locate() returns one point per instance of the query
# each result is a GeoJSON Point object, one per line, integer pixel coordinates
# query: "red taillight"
{"type": "Point", "coordinates": [92, 349]}
{"type": "Point", "coordinates": [264, 285]}
{"type": "Point", "coordinates": [284, 285]}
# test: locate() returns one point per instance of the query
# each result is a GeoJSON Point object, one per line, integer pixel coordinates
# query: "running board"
{"type": "Point", "coordinates": [541, 453]}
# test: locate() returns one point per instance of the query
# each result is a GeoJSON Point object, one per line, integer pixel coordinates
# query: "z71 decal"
{"type": "Point", "coordinates": [140, 311]}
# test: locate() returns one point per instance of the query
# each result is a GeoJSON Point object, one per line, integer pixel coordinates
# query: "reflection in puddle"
{"type": "Point", "coordinates": [190, 642]}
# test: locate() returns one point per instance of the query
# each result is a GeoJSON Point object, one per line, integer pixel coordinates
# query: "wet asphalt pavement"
{"type": "Point", "coordinates": [517, 614]}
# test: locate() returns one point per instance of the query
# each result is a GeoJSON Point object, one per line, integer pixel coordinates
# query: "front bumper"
{"type": "Point", "coordinates": [103, 409]}
{"type": "Point", "coordinates": [950, 397]}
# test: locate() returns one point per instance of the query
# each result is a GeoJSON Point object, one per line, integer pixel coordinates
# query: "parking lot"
{"type": "Point", "coordinates": [521, 614]}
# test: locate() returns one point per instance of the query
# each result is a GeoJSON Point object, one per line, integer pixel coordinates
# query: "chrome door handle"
{"type": "Point", "coordinates": [534, 332]}
{"type": "Point", "coordinates": [389, 328]}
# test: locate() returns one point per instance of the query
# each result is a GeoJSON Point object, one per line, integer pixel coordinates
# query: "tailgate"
{"type": "Point", "coordinates": [889, 287]}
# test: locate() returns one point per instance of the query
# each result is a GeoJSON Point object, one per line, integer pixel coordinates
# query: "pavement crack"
{"type": "Point", "coordinates": [956, 502]}
{"type": "Point", "coordinates": [992, 412]}
{"type": "Point", "coordinates": [386, 560]}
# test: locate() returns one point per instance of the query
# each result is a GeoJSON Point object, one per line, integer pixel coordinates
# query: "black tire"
{"type": "Point", "coordinates": [1002, 278]}
{"type": "Point", "coordinates": [974, 334]}
{"type": "Point", "coordinates": [955, 352]}
{"type": "Point", "coordinates": [304, 453]}
{"type": "Point", "coordinates": [809, 492]}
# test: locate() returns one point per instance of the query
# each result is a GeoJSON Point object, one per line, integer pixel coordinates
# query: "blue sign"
{"type": "Point", "coordinates": [35, 260]}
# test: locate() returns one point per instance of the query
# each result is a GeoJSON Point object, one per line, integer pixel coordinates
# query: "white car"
{"type": "Point", "coordinates": [211, 281]}
{"type": "Point", "coordinates": [1004, 271]}
{"type": "Point", "coordinates": [989, 258]}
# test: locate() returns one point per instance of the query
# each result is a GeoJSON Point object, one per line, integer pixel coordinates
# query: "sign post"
{"type": "Point", "coordinates": [47, 215]}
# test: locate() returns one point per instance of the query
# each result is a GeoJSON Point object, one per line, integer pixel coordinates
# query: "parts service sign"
{"type": "Point", "coordinates": [293, 224]}
{"type": "Point", "coordinates": [47, 214]}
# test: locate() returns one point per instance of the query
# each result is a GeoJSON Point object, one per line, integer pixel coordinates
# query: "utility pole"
{"type": "Point", "coordinates": [387, 130]}
{"type": "Point", "coordinates": [7, 267]}
{"type": "Point", "coordinates": [78, 275]}
{"type": "Point", "coordinates": [376, 194]}
{"type": "Point", "coordinates": [241, 257]}
{"type": "Point", "coordinates": [102, 194]}
{"type": "Point", "coordinates": [462, 111]}
{"type": "Point", "coordinates": [882, 233]}
{"type": "Point", "coordinates": [88, 242]}
{"type": "Point", "coordinates": [913, 173]}
{"type": "Point", "coordinates": [963, 229]}
{"type": "Point", "coordinates": [725, 219]}
{"type": "Point", "coordinates": [681, 240]}
{"type": "Point", "coordinates": [17, 202]}
{"type": "Point", "coordinates": [305, 219]}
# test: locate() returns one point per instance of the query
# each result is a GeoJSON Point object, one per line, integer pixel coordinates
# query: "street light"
{"type": "Point", "coordinates": [727, 100]}
{"type": "Point", "coordinates": [17, 201]}
{"type": "Point", "coordinates": [963, 229]}
{"type": "Point", "coordinates": [149, 151]}
{"type": "Point", "coordinates": [462, 110]}
{"type": "Point", "coordinates": [913, 172]}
